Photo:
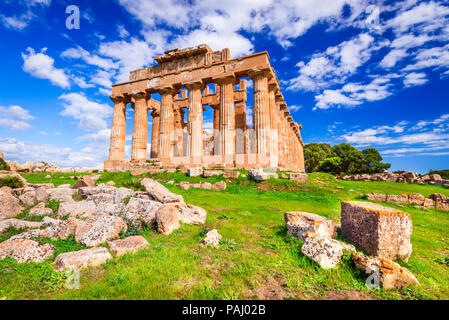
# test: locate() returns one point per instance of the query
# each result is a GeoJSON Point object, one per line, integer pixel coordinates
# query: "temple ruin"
{"type": "Point", "coordinates": [185, 79]}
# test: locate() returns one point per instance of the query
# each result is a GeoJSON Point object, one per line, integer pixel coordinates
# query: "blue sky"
{"type": "Point", "coordinates": [370, 73]}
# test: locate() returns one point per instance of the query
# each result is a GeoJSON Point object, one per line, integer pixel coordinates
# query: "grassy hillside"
{"type": "Point", "coordinates": [256, 258]}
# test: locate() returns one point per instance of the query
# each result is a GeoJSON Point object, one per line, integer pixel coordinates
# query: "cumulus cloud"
{"type": "Point", "coordinates": [15, 118]}
{"type": "Point", "coordinates": [41, 66]}
{"type": "Point", "coordinates": [415, 79]}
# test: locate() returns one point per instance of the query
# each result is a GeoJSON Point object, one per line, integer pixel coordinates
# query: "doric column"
{"type": "Point", "coordinates": [226, 144]}
{"type": "Point", "coordinates": [118, 129]}
{"type": "Point", "coordinates": [166, 125]}
{"type": "Point", "coordinates": [273, 133]}
{"type": "Point", "coordinates": [140, 128]}
{"type": "Point", "coordinates": [178, 133]}
{"type": "Point", "coordinates": [240, 118]}
{"type": "Point", "coordinates": [155, 133]}
{"type": "Point", "coordinates": [216, 117]}
{"type": "Point", "coordinates": [195, 123]}
{"type": "Point", "coordinates": [261, 109]}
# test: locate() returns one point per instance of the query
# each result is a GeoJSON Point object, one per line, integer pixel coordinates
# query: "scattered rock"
{"type": "Point", "coordinates": [377, 197]}
{"type": "Point", "coordinates": [28, 197]}
{"type": "Point", "coordinates": [40, 210]}
{"type": "Point", "coordinates": [18, 224]}
{"type": "Point", "coordinates": [58, 229]}
{"type": "Point", "coordinates": [167, 219]}
{"type": "Point", "coordinates": [231, 174]}
{"type": "Point", "coordinates": [140, 211]}
{"type": "Point", "coordinates": [212, 173]}
{"type": "Point", "coordinates": [219, 186]}
{"type": "Point", "coordinates": [131, 244]}
{"type": "Point", "coordinates": [81, 259]}
{"type": "Point", "coordinates": [213, 238]}
{"type": "Point", "coordinates": [300, 177]}
{"type": "Point", "coordinates": [79, 209]}
{"type": "Point", "coordinates": [192, 214]}
{"type": "Point", "coordinates": [26, 250]}
{"type": "Point", "coordinates": [441, 201]}
{"type": "Point", "coordinates": [300, 223]}
{"type": "Point", "coordinates": [206, 186]}
{"type": "Point", "coordinates": [61, 194]}
{"type": "Point", "coordinates": [159, 192]}
{"type": "Point", "coordinates": [323, 250]}
{"type": "Point", "coordinates": [194, 172]}
{"type": "Point", "coordinates": [99, 229]}
{"type": "Point", "coordinates": [84, 181]}
{"type": "Point", "coordinates": [388, 273]}
{"type": "Point", "coordinates": [258, 175]}
{"type": "Point", "coordinates": [184, 185]}
{"type": "Point", "coordinates": [10, 206]}
{"type": "Point", "coordinates": [416, 198]}
{"type": "Point", "coordinates": [379, 230]}
{"type": "Point", "coordinates": [110, 183]}
{"type": "Point", "coordinates": [397, 198]}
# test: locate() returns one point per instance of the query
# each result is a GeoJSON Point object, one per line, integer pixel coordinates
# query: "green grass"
{"type": "Point", "coordinates": [256, 258]}
{"type": "Point", "coordinates": [12, 182]}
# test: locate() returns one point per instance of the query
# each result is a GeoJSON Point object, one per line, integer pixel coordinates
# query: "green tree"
{"type": "Point", "coordinates": [351, 158]}
{"type": "Point", "coordinates": [330, 165]}
{"type": "Point", "coordinates": [372, 161]}
{"type": "Point", "coordinates": [314, 153]}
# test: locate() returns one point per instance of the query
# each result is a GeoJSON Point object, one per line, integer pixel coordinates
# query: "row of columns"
{"type": "Point", "coordinates": [274, 132]}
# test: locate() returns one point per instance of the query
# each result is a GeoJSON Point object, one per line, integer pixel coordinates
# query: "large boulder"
{"type": "Point", "coordinates": [10, 206]}
{"type": "Point", "coordinates": [26, 250]}
{"type": "Point", "coordinates": [192, 214]}
{"type": "Point", "coordinates": [99, 229]}
{"type": "Point", "coordinates": [18, 224]}
{"type": "Point", "coordinates": [61, 194]}
{"type": "Point", "coordinates": [167, 219]}
{"type": "Point", "coordinates": [82, 259]}
{"type": "Point", "coordinates": [385, 273]}
{"type": "Point", "coordinates": [28, 197]}
{"type": "Point", "coordinates": [140, 211]}
{"type": "Point", "coordinates": [300, 223]}
{"type": "Point", "coordinates": [79, 209]}
{"type": "Point", "coordinates": [325, 251]}
{"type": "Point", "coordinates": [121, 194]}
{"type": "Point", "coordinates": [131, 244]}
{"type": "Point", "coordinates": [380, 231]}
{"type": "Point", "coordinates": [212, 238]}
{"type": "Point", "coordinates": [84, 181]}
{"type": "Point", "coordinates": [41, 192]}
{"type": "Point", "coordinates": [159, 192]}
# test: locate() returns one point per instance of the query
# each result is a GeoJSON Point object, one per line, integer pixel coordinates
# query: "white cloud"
{"type": "Point", "coordinates": [90, 114]}
{"type": "Point", "coordinates": [43, 133]}
{"type": "Point", "coordinates": [80, 53]}
{"type": "Point", "coordinates": [122, 32]}
{"type": "Point", "coordinates": [41, 66]}
{"type": "Point", "coordinates": [15, 118]}
{"type": "Point", "coordinates": [294, 107]}
{"type": "Point", "coordinates": [393, 57]}
{"type": "Point", "coordinates": [14, 22]}
{"type": "Point", "coordinates": [415, 79]}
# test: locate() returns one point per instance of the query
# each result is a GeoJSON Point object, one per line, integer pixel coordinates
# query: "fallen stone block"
{"type": "Point", "coordinates": [219, 186]}
{"type": "Point", "coordinates": [192, 214]}
{"type": "Point", "coordinates": [184, 185]}
{"type": "Point", "coordinates": [140, 211]}
{"type": "Point", "coordinates": [212, 173]}
{"type": "Point", "coordinates": [301, 223]}
{"type": "Point", "coordinates": [194, 172]}
{"type": "Point", "coordinates": [206, 186]}
{"type": "Point", "coordinates": [10, 206]}
{"type": "Point", "coordinates": [159, 192]}
{"type": "Point", "coordinates": [40, 210]}
{"type": "Point", "coordinates": [61, 194]}
{"type": "Point", "coordinates": [416, 198]}
{"type": "Point", "coordinates": [300, 177]}
{"type": "Point", "coordinates": [379, 230]}
{"type": "Point", "coordinates": [377, 197]}
{"type": "Point", "coordinates": [84, 181]}
{"type": "Point", "coordinates": [231, 174]}
{"type": "Point", "coordinates": [82, 259]}
{"type": "Point", "coordinates": [441, 201]}
{"type": "Point", "coordinates": [167, 219]}
{"type": "Point", "coordinates": [132, 244]}
{"type": "Point", "coordinates": [383, 272]}
{"type": "Point", "coordinates": [99, 229]}
{"type": "Point", "coordinates": [397, 198]}
{"type": "Point", "coordinates": [18, 224]}
{"type": "Point", "coordinates": [26, 250]}
{"type": "Point", "coordinates": [80, 209]}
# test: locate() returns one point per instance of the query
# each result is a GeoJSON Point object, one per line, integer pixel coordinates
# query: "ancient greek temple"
{"type": "Point", "coordinates": [188, 81]}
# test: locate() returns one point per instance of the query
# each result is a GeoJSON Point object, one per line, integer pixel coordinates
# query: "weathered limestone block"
{"type": "Point", "coordinates": [79, 209]}
{"type": "Point", "coordinates": [397, 198]}
{"type": "Point", "coordinates": [219, 186]}
{"type": "Point", "coordinates": [300, 223]}
{"type": "Point", "coordinates": [429, 203]}
{"type": "Point", "coordinates": [64, 186]}
{"type": "Point", "coordinates": [159, 192]}
{"type": "Point", "coordinates": [82, 259]}
{"type": "Point", "coordinates": [84, 181]}
{"type": "Point", "coordinates": [377, 197]}
{"type": "Point", "coordinates": [10, 206]}
{"type": "Point", "coordinates": [110, 183]}
{"type": "Point", "coordinates": [258, 175]}
{"type": "Point", "coordinates": [101, 198]}
{"type": "Point", "coordinates": [416, 198]}
{"type": "Point", "coordinates": [212, 238]}
{"type": "Point", "coordinates": [41, 192]}
{"type": "Point", "coordinates": [184, 185]}
{"type": "Point", "coordinates": [386, 273]}
{"type": "Point", "coordinates": [300, 177]}
{"type": "Point", "coordinates": [379, 230]}
{"type": "Point", "coordinates": [194, 172]}
{"type": "Point", "coordinates": [57, 230]}
{"type": "Point", "coordinates": [137, 172]}
{"type": "Point", "coordinates": [212, 173]}
{"type": "Point", "coordinates": [28, 197]}
{"type": "Point", "coordinates": [61, 194]}
{"type": "Point", "coordinates": [441, 201]}
{"type": "Point", "coordinates": [121, 194]}
{"type": "Point", "coordinates": [90, 191]}
{"type": "Point", "coordinates": [40, 210]}
{"type": "Point", "coordinates": [140, 211]}
{"type": "Point", "coordinates": [18, 224]}
{"type": "Point", "coordinates": [323, 250]}
{"type": "Point", "coordinates": [231, 174]}
{"type": "Point", "coordinates": [192, 214]}
{"type": "Point", "coordinates": [132, 244]}
{"type": "Point", "coordinates": [206, 186]}
{"type": "Point", "coordinates": [435, 177]}
{"type": "Point", "coordinates": [167, 219]}
{"type": "Point", "coordinates": [99, 229]}
{"type": "Point", "coordinates": [26, 250]}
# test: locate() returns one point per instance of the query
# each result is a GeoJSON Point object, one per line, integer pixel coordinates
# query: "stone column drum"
{"type": "Point", "coordinates": [195, 124]}
{"type": "Point", "coordinates": [226, 144]}
{"type": "Point", "coordinates": [140, 130]}
{"type": "Point", "coordinates": [155, 133]}
{"type": "Point", "coordinates": [166, 125]}
{"type": "Point", "coordinates": [261, 109]}
{"type": "Point", "coordinates": [118, 130]}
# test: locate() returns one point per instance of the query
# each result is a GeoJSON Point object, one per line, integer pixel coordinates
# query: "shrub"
{"type": "Point", "coordinates": [53, 205]}
{"type": "Point", "coordinates": [133, 184]}
{"type": "Point", "coordinates": [4, 165]}
{"type": "Point", "coordinates": [12, 182]}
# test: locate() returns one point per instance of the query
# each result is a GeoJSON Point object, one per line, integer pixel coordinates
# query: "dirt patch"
{"type": "Point", "coordinates": [272, 289]}
{"type": "Point", "coordinates": [346, 295]}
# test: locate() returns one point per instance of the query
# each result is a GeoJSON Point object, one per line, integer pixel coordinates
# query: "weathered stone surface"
{"type": "Point", "coordinates": [110, 183]}
{"type": "Point", "coordinates": [377, 197]}
{"type": "Point", "coordinates": [57, 230]}
{"type": "Point", "coordinates": [138, 172]}
{"type": "Point", "coordinates": [435, 177]}
{"type": "Point", "coordinates": [416, 198]}
{"type": "Point", "coordinates": [84, 181]}
{"type": "Point", "coordinates": [379, 230]}
{"type": "Point", "coordinates": [212, 173]}
{"type": "Point", "coordinates": [18, 224]}
{"type": "Point", "coordinates": [300, 223]}
{"type": "Point", "coordinates": [41, 192]}
{"type": "Point", "coordinates": [258, 175]}
{"type": "Point", "coordinates": [206, 186]}
{"type": "Point", "coordinates": [79, 209]}
{"type": "Point", "coordinates": [386, 273]}
{"type": "Point", "coordinates": [231, 174]}
{"type": "Point", "coordinates": [121, 194]}
{"type": "Point", "coordinates": [28, 198]}
{"type": "Point", "coordinates": [131, 244]}
{"type": "Point", "coordinates": [142, 211]}
{"type": "Point", "coordinates": [40, 210]}
{"type": "Point", "coordinates": [194, 172]}
{"type": "Point", "coordinates": [101, 198]}
{"type": "Point", "coordinates": [213, 238]}
{"type": "Point", "coordinates": [323, 250]}
{"type": "Point", "coordinates": [26, 250]}
{"type": "Point", "coordinates": [61, 194]}
{"type": "Point", "coordinates": [192, 214]}
{"type": "Point", "coordinates": [90, 191]}
{"type": "Point", "coordinates": [10, 206]}
{"type": "Point", "coordinates": [159, 192]}
{"type": "Point", "coordinates": [429, 203]}
{"type": "Point", "coordinates": [441, 201]}
{"type": "Point", "coordinates": [167, 219]}
{"type": "Point", "coordinates": [63, 186]}
{"type": "Point", "coordinates": [98, 229]}
{"type": "Point", "coordinates": [397, 198]}
{"type": "Point", "coordinates": [300, 177]}
{"type": "Point", "coordinates": [219, 186]}
{"type": "Point", "coordinates": [184, 185]}
{"type": "Point", "coordinates": [82, 259]}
